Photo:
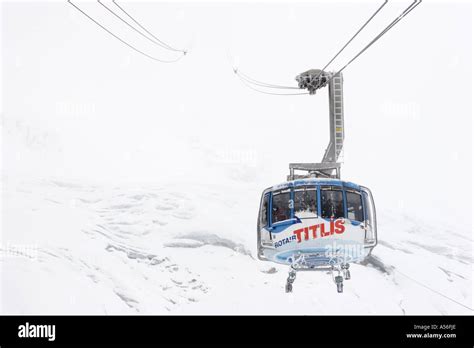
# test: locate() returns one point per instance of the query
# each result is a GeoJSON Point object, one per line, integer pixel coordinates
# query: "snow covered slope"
{"type": "Point", "coordinates": [191, 249]}
{"type": "Point", "coordinates": [130, 186]}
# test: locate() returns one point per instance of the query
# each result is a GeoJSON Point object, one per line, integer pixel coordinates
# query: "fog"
{"type": "Point", "coordinates": [81, 106]}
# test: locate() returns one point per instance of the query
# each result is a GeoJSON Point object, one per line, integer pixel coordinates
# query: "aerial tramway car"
{"type": "Point", "coordinates": [316, 221]}
{"type": "Point", "coordinates": [316, 224]}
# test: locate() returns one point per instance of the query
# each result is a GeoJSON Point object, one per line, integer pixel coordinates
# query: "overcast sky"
{"type": "Point", "coordinates": [104, 112]}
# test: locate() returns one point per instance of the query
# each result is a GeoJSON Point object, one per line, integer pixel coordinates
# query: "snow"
{"type": "Point", "coordinates": [155, 249]}
{"type": "Point", "coordinates": [133, 188]}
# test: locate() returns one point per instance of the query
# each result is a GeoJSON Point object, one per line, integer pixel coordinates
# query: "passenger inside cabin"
{"type": "Point", "coordinates": [332, 203]}
{"type": "Point", "coordinates": [281, 206]}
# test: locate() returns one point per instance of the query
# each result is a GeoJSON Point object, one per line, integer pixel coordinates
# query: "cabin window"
{"type": "Point", "coordinates": [332, 202]}
{"type": "Point", "coordinates": [281, 205]}
{"type": "Point", "coordinates": [354, 206]}
{"type": "Point", "coordinates": [369, 207]}
{"type": "Point", "coordinates": [264, 211]}
{"type": "Point", "coordinates": [305, 199]}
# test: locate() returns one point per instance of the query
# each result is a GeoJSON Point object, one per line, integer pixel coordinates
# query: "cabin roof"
{"type": "Point", "coordinates": [313, 181]}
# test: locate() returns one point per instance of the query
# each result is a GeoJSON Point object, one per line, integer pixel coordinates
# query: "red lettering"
{"type": "Point", "coordinates": [298, 234]}
{"type": "Point", "coordinates": [334, 227]}
{"type": "Point", "coordinates": [323, 232]}
{"type": "Point", "coordinates": [340, 228]}
{"type": "Point", "coordinates": [314, 228]}
{"type": "Point", "coordinates": [331, 229]}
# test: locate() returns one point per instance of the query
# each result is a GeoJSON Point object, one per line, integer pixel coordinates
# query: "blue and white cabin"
{"type": "Point", "coordinates": [329, 221]}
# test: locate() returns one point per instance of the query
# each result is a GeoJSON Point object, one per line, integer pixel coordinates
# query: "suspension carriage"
{"type": "Point", "coordinates": [316, 221]}
{"type": "Point", "coordinates": [316, 224]}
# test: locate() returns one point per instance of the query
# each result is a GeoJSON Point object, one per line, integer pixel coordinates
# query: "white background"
{"type": "Point", "coordinates": [81, 107]}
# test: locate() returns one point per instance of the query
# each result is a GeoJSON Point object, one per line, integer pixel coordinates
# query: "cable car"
{"type": "Point", "coordinates": [317, 221]}
{"type": "Point", "coordinates": [316, 224]}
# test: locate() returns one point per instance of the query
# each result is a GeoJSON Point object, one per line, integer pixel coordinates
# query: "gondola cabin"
{"type": "Point", "coordinates": [316, 222]}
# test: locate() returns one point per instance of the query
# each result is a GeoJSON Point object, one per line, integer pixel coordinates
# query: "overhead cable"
{"type": "Point", "coordinates": [123, 41]}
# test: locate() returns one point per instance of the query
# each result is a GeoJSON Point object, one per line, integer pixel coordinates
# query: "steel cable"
{"type": "Point", "coordinates": [123, 41]}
